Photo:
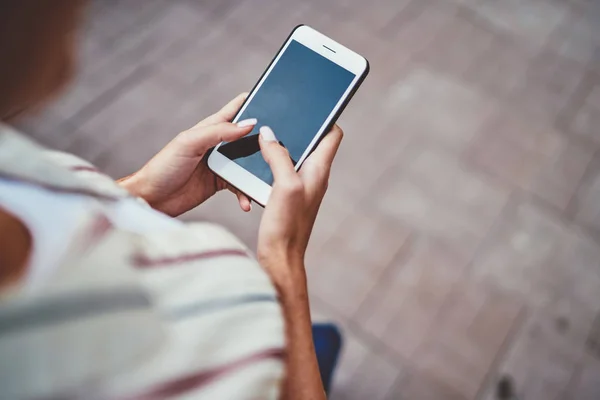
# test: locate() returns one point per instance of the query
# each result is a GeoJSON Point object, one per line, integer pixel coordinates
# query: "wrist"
{"type": "Point", "coordinates": [288, 276]}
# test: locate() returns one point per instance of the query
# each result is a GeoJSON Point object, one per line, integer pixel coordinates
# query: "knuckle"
{"type": "Point", "coordinates": [224, 125]}
{"type": "Point", "coordinates": [184, 136]}
{"type": "Point", "coordinates": [323, 185]}
{"type": "Point", "coordinates": [280, 152]}
{"type": "Point", "coordinates": [284, 152]}
{"type": "Point", "coordinates": [292, 186]}
{"type": "Point", "coordinates": [321, 170]}
{"type": "Point", "coordinates": [339, 130]}
{"type": "Point", "coordinates": [324, 169]}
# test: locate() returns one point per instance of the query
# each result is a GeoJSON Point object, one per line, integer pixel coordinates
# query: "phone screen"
{"type": "Point", "coordinates": [294, 100]}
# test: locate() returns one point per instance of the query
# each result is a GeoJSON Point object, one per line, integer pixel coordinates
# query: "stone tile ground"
{"type": "Point", "coordinates": [458, 243]}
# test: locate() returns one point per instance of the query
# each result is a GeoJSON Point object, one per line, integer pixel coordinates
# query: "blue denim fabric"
{"type": "Point", "coordinates": [328, 342]}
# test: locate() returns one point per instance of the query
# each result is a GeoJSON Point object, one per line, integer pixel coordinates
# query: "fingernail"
{"type": "Point", "coordinates": [250, 206]}
{"type": "Point", "coordinates": [247, 122]}
{"type": "Point", "coordinates": [267, 134]}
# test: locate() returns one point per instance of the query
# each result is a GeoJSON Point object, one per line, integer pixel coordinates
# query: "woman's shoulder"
{"type": "Point", "coordinates": [23, 159]}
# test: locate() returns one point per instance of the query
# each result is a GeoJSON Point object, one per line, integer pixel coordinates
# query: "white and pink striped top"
{"type": "Point", "coordinates": [126, 313]}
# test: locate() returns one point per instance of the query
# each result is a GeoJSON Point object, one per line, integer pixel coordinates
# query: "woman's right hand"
{"type": "Point", "coordinates": [292, 208]}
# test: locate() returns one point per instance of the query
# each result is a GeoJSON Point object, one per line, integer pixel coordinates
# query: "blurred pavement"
{"type": "Point", "coordinates": [459, 239]}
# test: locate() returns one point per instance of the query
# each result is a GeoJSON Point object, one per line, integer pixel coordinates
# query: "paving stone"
{"type": "Point", "coordinates": [354, 257]}
{"type": "Point", "coordinates": [110, 20]}
{"type": "Point", "coordinates": [467, 336]}
{"type": "Point", "coordinates": [115, 60]}
{"type": "Point", "coordinates": [375, 18]}
{"type": "Point", "coordinates": [333, 212]}
{"type": "Point", "coordinates": [354, 352]}
{"type": "Point", "coordinates": [374, 379]}
{"type": "Point", "coordinates": [419, 25]}
{"type": "Point", "coordinates": [216, 11]}
{"type": "Point", "coordinates": [459, 185]}
{"type": "Point", "coordinates": [198, 61]}
{"type": "Point", "coordinates": [519, 250]}
{"type": "Point", "coordinates": [127, 115]}
{"type": "Point", "coordinates": [577, 38]}
{"type": "Point", "coordinates": [402, 307]}
{"type": "Point", "coordinates": [569, 321]}
{"type": "Point", "coordinates": [557, 182]}
{"type": "Point", "coordinates": [362, 369]}
{"type": "Point", "coordinates": [544, 161]}
{"type": "Point", "coordinates": [422, 386]}
{"type": "Point", "coordinates": [439, 196]}
{"type": "Point", "coordinates": [448, 366]}
{"type": "Point", "coordinates": [476, 321]}
{"type": "Point", "coordinates": [586, 206]}
{"type": "Point", "coordinates": [539, 363]}
{"type": "Point", "coordinates": [362, 141]}
{"type": "Point", "coordinates": [457, 46]}
{"type": "Point", "coordinates": [575, 269]}
{"type": "Point", "coordinates": [434, 105]}
{"type": "Point", "coordinates": [532, 21]}
{"type": "Point", "coordinates": [587, 384]}
{"type": "Point", "coordinates": [548, 86]}
{"type": "Point", "coordinates": [269, 21]}
{"type": "Point", "coordinates": [553, 266]}
{"type": "Point", "coordinates": [355, 34]}
{"type": "Point", "coordinates": [413, 207]}
{"type": "Point", "coordinates": [587, 119]}
{"type": "Point", "coordinates": [500, 69]}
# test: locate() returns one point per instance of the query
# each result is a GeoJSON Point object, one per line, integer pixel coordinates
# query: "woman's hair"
{"type": "Point", "coordinates": [36, 51]}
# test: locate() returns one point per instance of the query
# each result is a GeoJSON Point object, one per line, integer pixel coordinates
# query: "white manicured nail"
{"type": "Point", "coordinates": [247, 122]}
{"type": "Point", "coordinates": [267, 134]}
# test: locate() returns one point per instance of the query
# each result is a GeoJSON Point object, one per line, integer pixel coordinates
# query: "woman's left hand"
{"type": "Point", "coordinates": [178, 179]}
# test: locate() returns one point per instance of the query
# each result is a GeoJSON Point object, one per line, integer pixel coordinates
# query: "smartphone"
{"type": "Point", "coordinates": [300, 96]}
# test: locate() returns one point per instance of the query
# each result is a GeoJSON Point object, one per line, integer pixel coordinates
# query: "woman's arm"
{"type": "Point", "coordinates": [303, 376]}
{"type": "Point", "coordinates": [178, 179]}
{"type": "Point", "coordinates": [282, 240]}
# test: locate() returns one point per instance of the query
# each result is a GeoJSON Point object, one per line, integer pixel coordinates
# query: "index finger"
{"type": "Point", "coordinates": [325, 152]}
{"type": "Point", "coordinates": [226, 113]}
{"type": "Point", "coordinates": [276, 156]}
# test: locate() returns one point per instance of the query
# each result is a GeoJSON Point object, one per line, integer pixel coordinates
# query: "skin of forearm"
{"type": "Point", "coordinates": [303, 380]}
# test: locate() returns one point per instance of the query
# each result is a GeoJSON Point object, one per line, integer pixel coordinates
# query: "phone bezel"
{"type": "Point", "coordinates": [244, 180]}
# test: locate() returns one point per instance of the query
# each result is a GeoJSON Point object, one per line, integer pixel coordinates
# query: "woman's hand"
{"type": "Point", "coordinates": [177, 179]}
{"type": "Point", "coordinates": [292, 208]}
{"type": "Point", "coordinates": [282, 239]}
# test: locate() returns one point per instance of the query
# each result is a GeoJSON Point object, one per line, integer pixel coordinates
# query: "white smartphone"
{"type": "Point", "coordinates": [300, 96]}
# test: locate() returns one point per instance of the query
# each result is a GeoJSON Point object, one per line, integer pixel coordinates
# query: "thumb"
{"type": "Point", "coordinates": [198, 140]}
{"type": "Point", "coordinates": [275, 155]}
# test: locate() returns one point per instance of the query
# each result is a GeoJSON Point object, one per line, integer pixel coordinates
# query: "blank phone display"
{"type": "Point", "coordinates": [294, 100]}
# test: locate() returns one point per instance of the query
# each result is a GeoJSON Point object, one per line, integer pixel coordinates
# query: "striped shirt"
{"type": "Point", "coordinates": [186, 313]}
